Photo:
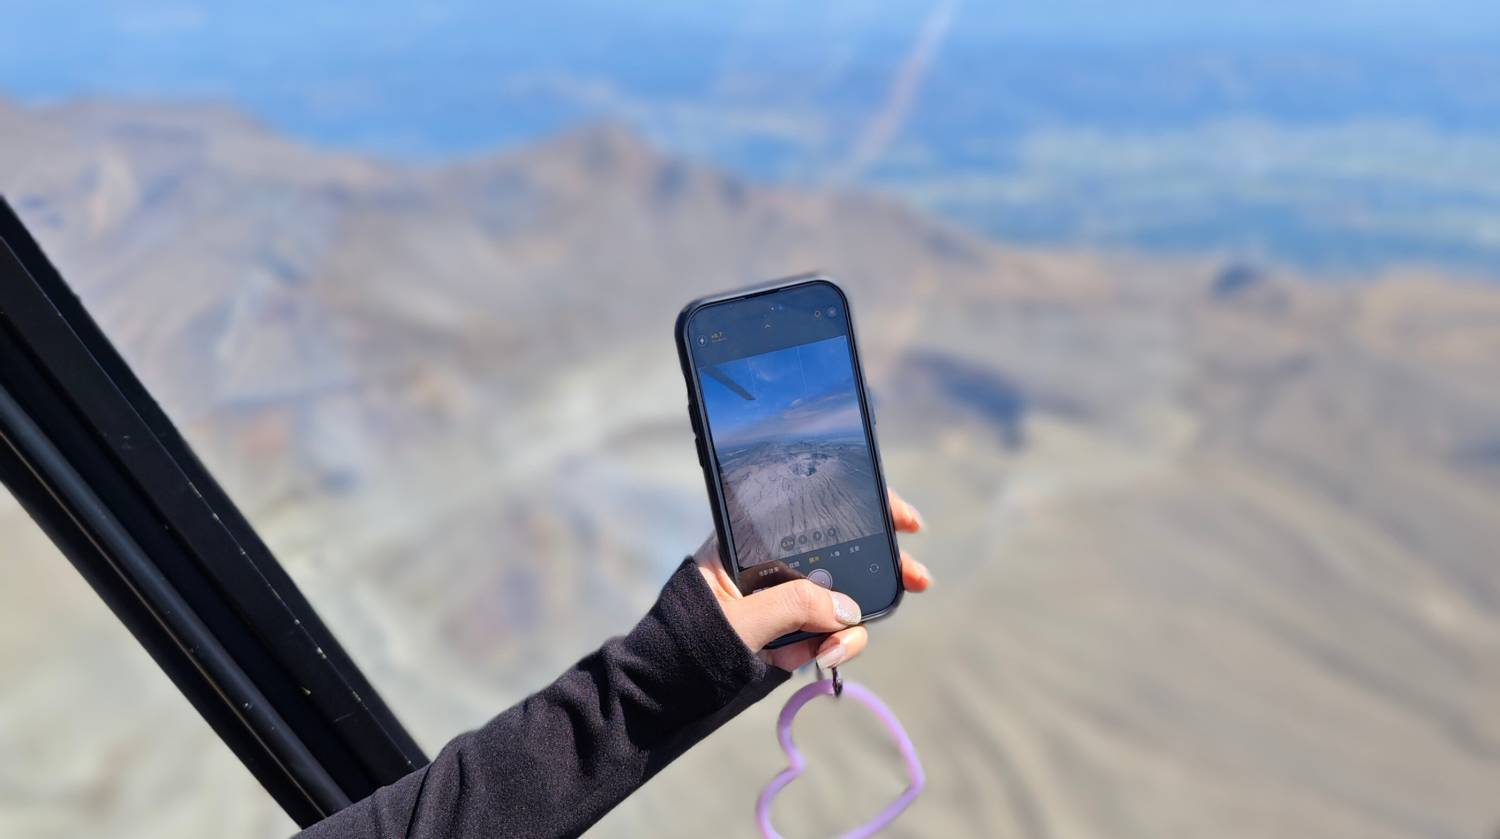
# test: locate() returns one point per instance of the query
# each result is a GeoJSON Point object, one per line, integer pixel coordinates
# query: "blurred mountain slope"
{"type": "Point", "coordinates": [1214, 557]}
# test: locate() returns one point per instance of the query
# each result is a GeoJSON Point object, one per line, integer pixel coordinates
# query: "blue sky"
{"type": "Point", "coordinates": [799, 392]}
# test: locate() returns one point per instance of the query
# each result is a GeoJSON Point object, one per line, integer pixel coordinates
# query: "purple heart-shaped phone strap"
{"type": "Point", "coordinates": [796, 763]}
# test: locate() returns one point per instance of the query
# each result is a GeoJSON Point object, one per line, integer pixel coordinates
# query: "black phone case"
{"type": "Point", "coordinates": [706, 455]}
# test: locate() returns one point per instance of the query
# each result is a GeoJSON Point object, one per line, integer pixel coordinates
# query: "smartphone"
{"type": "Point", "coordinates": [786, 439]}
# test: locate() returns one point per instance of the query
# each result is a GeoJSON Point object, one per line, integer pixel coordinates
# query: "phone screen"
{"type": "Point", "coordinates": [787, 425]}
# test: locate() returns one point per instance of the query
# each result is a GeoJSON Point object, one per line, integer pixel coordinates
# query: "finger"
{"type": "Point", "coordinates": [795, 655]}
{"type": "Point", "coordinates": [904, 515]}
{"type": "Point", "coordinates": [800, 605]}
{"type": "Point", "coordinates": [707, 558]}
{"type": "Point", "coordinates": [842, 646]}
{"type": "Point", "coordinates": [708, 551]}
{"type": "Point", "coordinates": [914, 574]}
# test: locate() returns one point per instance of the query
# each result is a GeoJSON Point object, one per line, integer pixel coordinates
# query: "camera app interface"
{"type": "Point", "coordinates": [794, 460]}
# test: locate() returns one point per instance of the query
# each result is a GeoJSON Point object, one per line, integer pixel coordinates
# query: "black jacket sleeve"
{"type": "Point", "coordinates": [558, 761]}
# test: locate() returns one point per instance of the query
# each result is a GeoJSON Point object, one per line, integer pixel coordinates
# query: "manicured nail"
{"type": "Point", "coordinates": [831, 657]}
{"type": "Point", "coordinates": [845, 609]}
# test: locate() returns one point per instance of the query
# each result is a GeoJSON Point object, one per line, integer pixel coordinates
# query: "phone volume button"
{"type": "Point", "coordinates": [698, 446]}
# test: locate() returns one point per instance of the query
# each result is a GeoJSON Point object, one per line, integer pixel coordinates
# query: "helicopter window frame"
{"type": "Point", "coordinates": [94, 460]}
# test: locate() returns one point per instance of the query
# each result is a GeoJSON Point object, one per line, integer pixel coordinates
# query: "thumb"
{"type": "Point", "coordinates": [799, 605]}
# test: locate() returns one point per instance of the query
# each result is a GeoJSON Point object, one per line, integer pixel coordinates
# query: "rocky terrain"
{"type": "Point", "coordinates": [1215, 548]}
{"type": "Point", "coordinates": [789, 490]}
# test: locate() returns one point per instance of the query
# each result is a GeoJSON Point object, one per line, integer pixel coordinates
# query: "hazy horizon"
{"type": "Point", "coordinates": [1343, 138]}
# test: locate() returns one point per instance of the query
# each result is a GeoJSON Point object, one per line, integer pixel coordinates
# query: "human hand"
{"type": "Point", "coordinates": [802, 605]}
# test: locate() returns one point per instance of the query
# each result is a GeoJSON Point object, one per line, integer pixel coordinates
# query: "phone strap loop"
{"type": "Point", "coordinates": [796, 763]}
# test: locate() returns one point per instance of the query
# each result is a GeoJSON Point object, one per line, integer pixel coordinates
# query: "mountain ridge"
{"type": "Point", "coordinates": [1197, 554]}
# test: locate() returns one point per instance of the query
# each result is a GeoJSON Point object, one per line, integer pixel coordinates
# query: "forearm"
{"type": "Point", "coordinates": [557, 762]}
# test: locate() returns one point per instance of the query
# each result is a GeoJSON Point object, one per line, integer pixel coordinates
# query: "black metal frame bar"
{"type": "Point", "coordinates": [101, 469]}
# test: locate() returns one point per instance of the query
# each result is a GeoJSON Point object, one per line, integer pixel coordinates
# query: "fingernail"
{"type": "Point", "coordinates": [917, 514]}
{"type": "Point", "coordinates": [845, 609]}
{"type": "Point", "coordinates": [831, 657]}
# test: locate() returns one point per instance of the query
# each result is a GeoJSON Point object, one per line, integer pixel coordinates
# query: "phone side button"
{"type": "Point", "coordinates": [698, 446]}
